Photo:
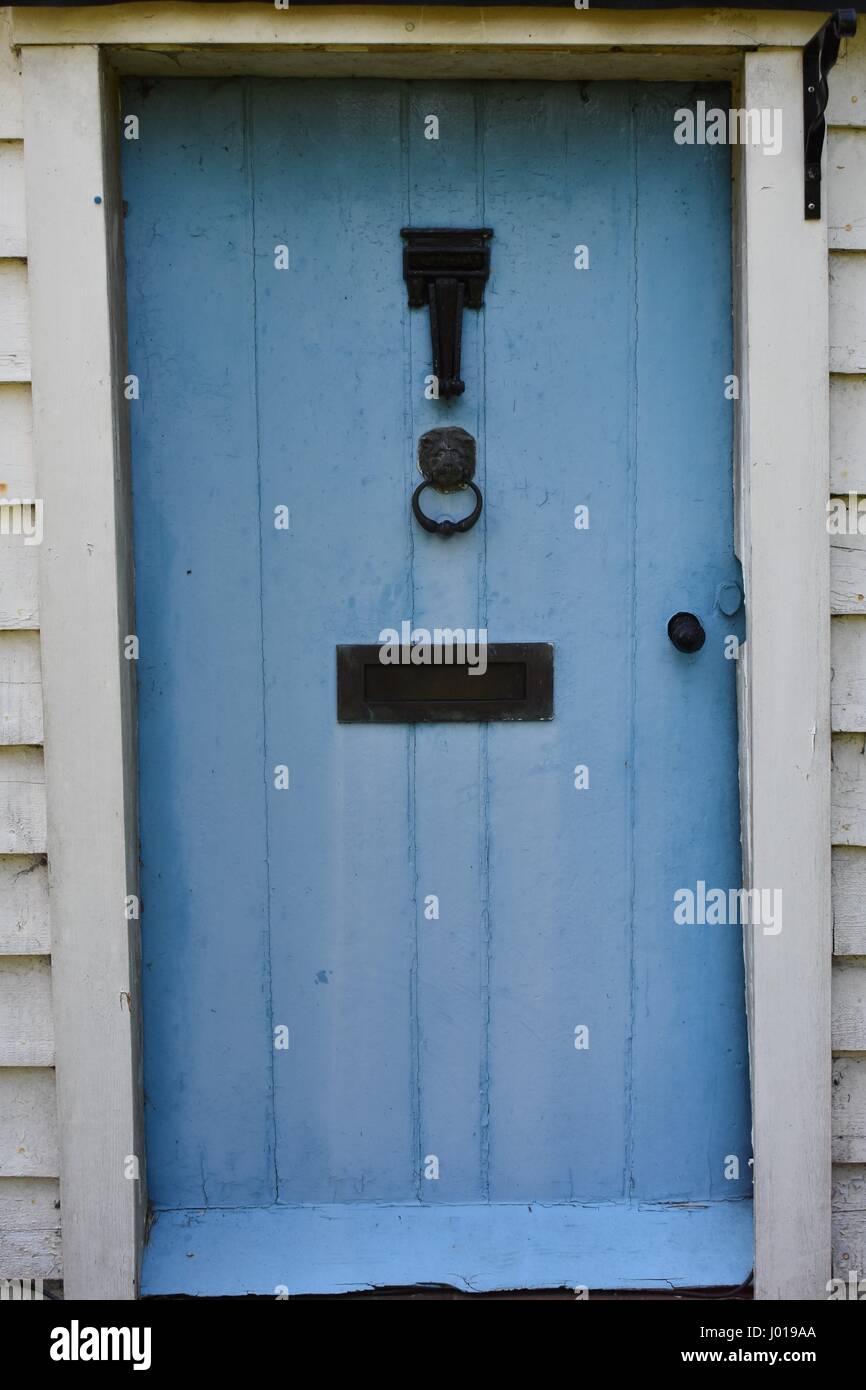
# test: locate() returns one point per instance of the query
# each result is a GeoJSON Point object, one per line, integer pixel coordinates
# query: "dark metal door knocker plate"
{"type": "Point", "coordinates": [446, 458]}
{"type": "Point", "coordinates": [446, 268]}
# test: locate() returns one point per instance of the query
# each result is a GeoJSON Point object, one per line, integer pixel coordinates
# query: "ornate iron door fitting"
{"type": "Point", "coordinates": [819, 56]}
{"type": "Point", "coordinates": [446, 458]}
{"type": "Point", "coordinates": [447, 269]}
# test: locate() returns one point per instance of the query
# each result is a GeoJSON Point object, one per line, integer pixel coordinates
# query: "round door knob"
{"type": "Point", "coordinates": [686, 632]}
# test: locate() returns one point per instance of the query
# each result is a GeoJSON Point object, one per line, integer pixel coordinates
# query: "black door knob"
{"type": "Point", "coordinates": [686, 632]}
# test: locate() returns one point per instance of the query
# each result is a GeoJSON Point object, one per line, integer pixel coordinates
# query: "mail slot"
{"type": "Point", "coordinates": [512, 681]}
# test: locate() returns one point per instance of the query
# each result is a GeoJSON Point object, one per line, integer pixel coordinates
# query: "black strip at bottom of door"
{"type": "Point", "coordinates": [500, 681]}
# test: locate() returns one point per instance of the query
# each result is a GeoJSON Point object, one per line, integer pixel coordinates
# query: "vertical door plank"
{"type": "Point", "coordinates": [329, 186]}
{"type": "Point", "coordinates": [448, 793]}
{"type": "Point", "coordinates": [203, 776]}
{"type": "Point", "coordinates": [558, 174]}
{"type": "Point", "coordinates": [690, 1056]}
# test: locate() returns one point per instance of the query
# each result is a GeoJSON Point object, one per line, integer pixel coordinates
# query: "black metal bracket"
{"type": "Point", "coordinates": [446, 268]}
{"type": "Point", "coordinates": [819, 56]}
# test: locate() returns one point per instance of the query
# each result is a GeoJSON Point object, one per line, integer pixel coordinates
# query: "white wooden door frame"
{"type": "Point", "coordinates": [82, 461]}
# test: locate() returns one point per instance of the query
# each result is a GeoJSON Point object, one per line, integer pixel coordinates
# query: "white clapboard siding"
{"type": "Point", "coordinates": [29, 1205]}
{"type": "Point", "coordinates": [847, 103]}
{"type": "Point", "coordinates": [848, 573]}
{"type": "Point", "coordinates": [848, 789]}
{"type": "Point", "coordinates": [26, 1027]}
{"type": "Point", "coordinates": [14, 322]}
{"type": "Point", "coordinates": [24, 923]}
{"type": "Point", "coordinates": [19, 583]}
{"type": "Point", "coordinates": [13, 237]}
{"type": "Point", "coordinates": [21, 688]}
{"type": "Point", "coordinates": [849, 900]}
{"type": "Point", "coordinates": [11, 105]}
{"type": "Point", "coordinates": [846, 189]}
{"type": "Point", "coordinates": [22, 801]}
{"type": "Point", "coordinates": [30, 1228]}
{"type": "Point", "coordinates": [848, 311]}
{"type": "Point", "coordinates": [848, 678]}
{"type": "Point", "coordinates": [849, 1221]}
{"type": "Point", "coordinates": [849, 1188]}
{"type": "Point", "coordinates": [849, 1110]}
{"type": "Point", "coordinates": [17, 474]}
{"type": "Point", "coordinates": [847, 432]}
{"type": "Point", "coordinates": [849, 1252]}
{"type": "Point", "coordinates": [849, 1006]}
{"type": "Point", "coordinates": [28, 1123]}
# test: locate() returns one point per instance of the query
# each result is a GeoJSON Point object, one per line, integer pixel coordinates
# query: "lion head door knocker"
{"type": "Point", "coordinates": [446, 458]}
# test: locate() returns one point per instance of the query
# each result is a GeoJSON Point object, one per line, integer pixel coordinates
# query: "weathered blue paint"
{"type": "Point", "coordinates": [474, 1246]}
{"type": "Point", "coordinates": [409, 1037]}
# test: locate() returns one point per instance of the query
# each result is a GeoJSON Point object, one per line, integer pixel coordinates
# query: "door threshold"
{"type": "Point", "coordinates": [449, 1249]}
{"type": "Point", "coordinates": [742, 1293]}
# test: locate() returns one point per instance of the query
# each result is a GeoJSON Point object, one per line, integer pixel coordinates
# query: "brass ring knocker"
{"type": "Point", "coordinates": [446, 458]}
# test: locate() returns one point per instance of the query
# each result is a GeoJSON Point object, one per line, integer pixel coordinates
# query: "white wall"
{"type": "Point", "coordinates": [846, 178]}
{"type": "Point", "coordinates": [29, 1190]}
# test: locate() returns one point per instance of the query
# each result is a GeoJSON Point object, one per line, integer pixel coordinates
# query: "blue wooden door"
{"type": "Point", "coordinates": [417, 1007]}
